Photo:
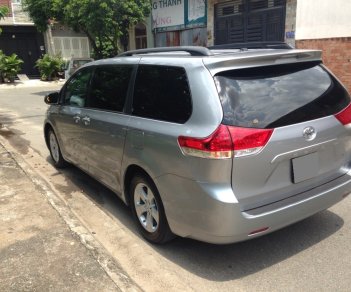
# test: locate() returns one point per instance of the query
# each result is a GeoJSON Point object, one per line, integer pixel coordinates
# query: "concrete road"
{"type": "Point", "coordinates": [313, 255]}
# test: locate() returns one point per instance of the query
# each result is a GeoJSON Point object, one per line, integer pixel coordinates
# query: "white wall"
{"type": "Point", "coordinates": [318, 19]}
{"type": "Point", "coordinates": [69, 47]}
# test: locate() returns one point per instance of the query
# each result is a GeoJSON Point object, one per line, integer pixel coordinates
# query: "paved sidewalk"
{"type": "Point", "coordinates": [38, 251]}
{"type": "Point", "coordinates": [31, 83]}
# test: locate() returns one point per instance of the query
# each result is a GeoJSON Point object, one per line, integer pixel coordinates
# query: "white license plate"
{"type": "Point", "coordinates": [305, 167]}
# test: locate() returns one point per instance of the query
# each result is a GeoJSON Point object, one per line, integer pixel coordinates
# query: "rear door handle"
{"type": "Point", "coordinates": [86, 121]}
{"type": "Point", "coordinates": [76, 119]}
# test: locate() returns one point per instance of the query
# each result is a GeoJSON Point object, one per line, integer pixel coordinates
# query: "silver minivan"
{"type": "Point", "coordinates": [218, 145]}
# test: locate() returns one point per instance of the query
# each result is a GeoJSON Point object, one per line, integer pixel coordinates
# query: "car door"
{"type": "Point", "coordinates": [69, 123]}
{"type": "Point", "coordinates": [105, 124]}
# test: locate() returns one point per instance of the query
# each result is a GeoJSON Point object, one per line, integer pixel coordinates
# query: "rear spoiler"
{"type": "Point", "coordinates": [251, 59]}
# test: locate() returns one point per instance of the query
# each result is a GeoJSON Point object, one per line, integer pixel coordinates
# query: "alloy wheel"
{"type": "Point", "coordinates": [54, 148]}
{"type": "Point", "coordinates": [146, 207]}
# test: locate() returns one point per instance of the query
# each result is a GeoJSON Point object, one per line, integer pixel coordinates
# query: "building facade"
{"type": "Point", "coordinates": [179, 22]}
{"type": "Point", "coordinates": [327, 27]}
{"type": "Point", "coordinates": [61, 40]}
{"type": "Point", "coordinates": [239, 21]}
{"type": "Point", "coordinates": [20, 36]}
{"type": "Point", "coordinates": [141, 35]}
{"type": "Point", "coordinates": [215, 22]}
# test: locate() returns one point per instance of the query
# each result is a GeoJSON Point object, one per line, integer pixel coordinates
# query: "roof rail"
{"type": "Point", "coordinates": [192, 50]}
{"type": "Point", "coordinates": [253, 45]}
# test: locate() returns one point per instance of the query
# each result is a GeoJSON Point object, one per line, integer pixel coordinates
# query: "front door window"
{"type": "Point", "coordinates": [77, 89]}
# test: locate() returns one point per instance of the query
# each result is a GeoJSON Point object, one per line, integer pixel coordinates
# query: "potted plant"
{"type": "Point", "coordinates": [2, 55]}
{"type": "Point", "coordinates": [49, 67]}
{"type": "Point", "coordinates": [10, 66]}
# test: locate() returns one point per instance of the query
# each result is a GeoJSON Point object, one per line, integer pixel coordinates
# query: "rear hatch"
{"type": "Point", "coordinates": [299, 114]}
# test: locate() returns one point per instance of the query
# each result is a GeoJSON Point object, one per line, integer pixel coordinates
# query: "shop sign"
{"type": "Point", "coordinates": [168, 15]}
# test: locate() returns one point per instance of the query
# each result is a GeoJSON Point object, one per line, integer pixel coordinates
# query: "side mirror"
{"type": "Point", "coordinates": [52, 98]}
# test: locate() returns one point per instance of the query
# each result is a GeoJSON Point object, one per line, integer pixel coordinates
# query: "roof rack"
{"type": "Point", "coordinates": [192, 50]}
{"type": "Point", "coordinates": [253, 45]}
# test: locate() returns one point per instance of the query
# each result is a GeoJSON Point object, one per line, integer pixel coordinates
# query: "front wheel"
{"type": "Point", "coordinates": [148, 210]}
{"type": "Point", "coordinates": [55, 151]}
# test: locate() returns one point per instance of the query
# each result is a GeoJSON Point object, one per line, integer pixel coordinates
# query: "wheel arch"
{"type": "Point", "coordinates": [163, 233]}
{"type": "Point", "coordinates": [47, 127]}
{"type": "Point", "coordinates": [130, 172]}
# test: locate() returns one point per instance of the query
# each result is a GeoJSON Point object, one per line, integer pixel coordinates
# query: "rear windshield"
{"type": "Point", "coordinates": [281, 95]}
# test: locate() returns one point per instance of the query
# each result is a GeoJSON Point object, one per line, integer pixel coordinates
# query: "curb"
{"type": "Point", "coordinates": [109, 264]}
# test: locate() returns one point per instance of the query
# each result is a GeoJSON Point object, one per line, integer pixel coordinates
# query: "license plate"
{"type": "Point", "coordinates": [305, 167]}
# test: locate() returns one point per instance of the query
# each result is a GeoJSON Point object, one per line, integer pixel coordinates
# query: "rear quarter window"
{"type": "Point", "coordinates": [276, 96]}
{"type": "Point", "coordinates": [162, 93]}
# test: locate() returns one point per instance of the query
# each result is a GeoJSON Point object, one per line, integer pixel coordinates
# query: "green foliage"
{"type": "Point", "coordinates": [2, 56]}
{"type": "Point", "coordinates": [105, 49]}
{"type": "Point", "coordinates": [49, 66]}
{"type": "Point", "coordinates": [3, 12]}
{"type": "Point", "coordinates": [40, 12]}
{"type": "Point", "coordinates": [103, 21]}
{"type": "Point", "coordinates": [10, 66]}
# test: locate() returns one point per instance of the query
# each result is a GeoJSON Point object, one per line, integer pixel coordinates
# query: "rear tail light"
{"type": "Point", "coordinates": [249, 141]}
{"type": "Point", "coordinates": [218, 145]}
{"type": "Point", "coordinates": [344, 116]}
{"type": "Point", "coordinates": [225, 142]}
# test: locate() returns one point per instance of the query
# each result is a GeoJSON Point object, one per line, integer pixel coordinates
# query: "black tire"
{"type": "Point", "coordinates": [55, 151]}
{"type": "Point", "coordinates": [150, 205]}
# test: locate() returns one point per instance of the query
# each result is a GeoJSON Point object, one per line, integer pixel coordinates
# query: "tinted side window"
{"type": "Point", "coordinates": [76, 90]}
{"type": "Point", "coordinates": [162, 93]}
{"type": "Point", "coordinates": [276, 96]}
{"type": "Point", "coordinates": [109, 87]}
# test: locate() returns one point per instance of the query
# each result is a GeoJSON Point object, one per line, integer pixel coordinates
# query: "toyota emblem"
{"type": "Point", "coordinates": [309, 133]}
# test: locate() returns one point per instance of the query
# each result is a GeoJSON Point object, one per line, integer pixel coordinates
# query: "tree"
{"type": "Point", "coordinates": [103, 21]}
{"type": "Point", "coordinates": [40, 12]}
{"type": "Point", "coordinates": [3, 12]}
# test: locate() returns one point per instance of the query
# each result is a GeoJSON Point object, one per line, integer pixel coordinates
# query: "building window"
{"type": "Point", "coordinates": [140, 36]}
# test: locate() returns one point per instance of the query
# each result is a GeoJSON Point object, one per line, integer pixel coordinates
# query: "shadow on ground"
{"type": "Point", "coordinates": [15, 137]}
{"type": "Point", "coordinates": [216, 262]}
{"type": "Point", "coordinates": [44, 93]}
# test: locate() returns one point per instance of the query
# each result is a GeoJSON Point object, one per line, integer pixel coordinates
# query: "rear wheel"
{"type": "Point", "coordinates": [55, 150]}
{"type": "Point", "coordinates": [148, 210]}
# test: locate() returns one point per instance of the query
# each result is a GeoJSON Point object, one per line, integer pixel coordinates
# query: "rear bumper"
{"type": "Point", "coordinates": [212, 214]}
